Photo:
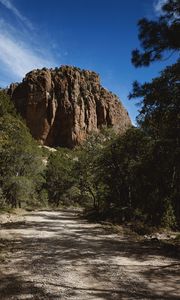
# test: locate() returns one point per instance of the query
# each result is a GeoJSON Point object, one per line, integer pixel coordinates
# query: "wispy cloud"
{"type": "Point", "coordinates": [21, 51]}
{"type": "Point", "coordinates": [8, 4]}
{"type": "Point", "coordinates": [18, 58]}
{"type": "Point", "coordinates": [158, 6]}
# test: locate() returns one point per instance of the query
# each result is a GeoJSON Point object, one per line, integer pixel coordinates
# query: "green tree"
{"type": "Point", "coordinates": [19, 190]}
{"type": "Point", "coordinates": [87, 168]}
{"type": "Point", "coordinates": [21, 168]}
{"type": "Point", "coordinates": [159, 114]}
{"type": "Point", "coordinates": [59, 177]}
{"type": "Point", "coordinates": [6, 105]}
{"type": "Point", "coordinates": [120, 170]}
{"type": "Point", "coordinates": [159, 37]}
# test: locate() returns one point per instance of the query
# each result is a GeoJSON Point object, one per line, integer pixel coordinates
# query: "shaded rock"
{"type": "Point", "coordinates": [62, 106]}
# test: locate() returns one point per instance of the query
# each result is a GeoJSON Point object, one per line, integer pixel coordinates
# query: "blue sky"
{"type": "Point", "coordinates": [91, 34]}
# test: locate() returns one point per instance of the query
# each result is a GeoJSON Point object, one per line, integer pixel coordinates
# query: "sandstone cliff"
{"type": "Point", "coordinates": [61, 106]}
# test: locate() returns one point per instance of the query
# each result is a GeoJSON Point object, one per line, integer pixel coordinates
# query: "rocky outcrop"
{"type": "Point", "coordinates": [62, 106]}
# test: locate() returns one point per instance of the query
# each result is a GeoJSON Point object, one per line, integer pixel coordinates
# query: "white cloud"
{"type": "Point", "coordinates": [158, 6]}
{"type": "Point", "coordinates": [8, 4]}
{"type": "Point", "coordinates": [21, 50]}
{"type": "Point", "coordinates": [18, 59]}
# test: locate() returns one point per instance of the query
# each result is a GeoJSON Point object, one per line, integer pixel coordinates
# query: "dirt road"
{"type": "Point", "coordinates": [55, 255]}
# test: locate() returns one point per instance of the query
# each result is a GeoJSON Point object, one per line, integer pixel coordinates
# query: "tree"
{"type": "Point", "coordinates": [120, 171]}
{"type": "Point", "coordinates": [87, 169]}
{"type": "Point", "coordinates": [6, 105]}
{"type": "Point", "coordinates": [21, 168]}
{"type": "Point", "coordinates": [59, 177]}
{"type": "Point", "coordinates": [159, 114]}
{"type": "Point", "coordinates": [159, 37]}
{"type": "Point", "coordinates": [19, 189]}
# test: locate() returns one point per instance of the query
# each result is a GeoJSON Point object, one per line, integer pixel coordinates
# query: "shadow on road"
{"type": "Point", "coordinates": [60, 243]}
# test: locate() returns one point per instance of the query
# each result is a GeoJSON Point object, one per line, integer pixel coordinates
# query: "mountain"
{"type": "Point", "coordinates": [62, 106]}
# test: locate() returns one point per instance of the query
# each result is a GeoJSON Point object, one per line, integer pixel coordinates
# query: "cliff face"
{"type": "Point", "coordinates": [62, 106]}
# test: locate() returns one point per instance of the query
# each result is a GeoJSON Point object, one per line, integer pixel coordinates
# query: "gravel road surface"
{"type": "Point", "coordinates": [57, 255]}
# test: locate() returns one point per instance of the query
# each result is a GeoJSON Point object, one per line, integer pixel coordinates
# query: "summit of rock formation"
{"type": "Point", "coordinates": [62, 106]}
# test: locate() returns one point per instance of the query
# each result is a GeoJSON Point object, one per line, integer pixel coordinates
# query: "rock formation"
{"type": "Point", "coordinates": [62, 106]}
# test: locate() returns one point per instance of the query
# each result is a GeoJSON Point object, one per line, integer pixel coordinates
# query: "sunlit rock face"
{"type": "Point", "coordinates": [62, 106]}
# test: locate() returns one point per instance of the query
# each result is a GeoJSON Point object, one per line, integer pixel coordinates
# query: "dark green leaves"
{"type": "Point", "coordinates": [158, 39]}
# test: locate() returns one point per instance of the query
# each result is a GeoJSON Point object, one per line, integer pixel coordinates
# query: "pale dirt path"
{"type": "Point", "coordinates": [55, 255]}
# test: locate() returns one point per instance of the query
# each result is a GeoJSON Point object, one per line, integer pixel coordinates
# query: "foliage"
{"type": "Point", "coordinates": [2, 199]}
{"type": "Point", "coordinates": [71, 175]}
{"type": "Point", "coordinates": [87, 168]}
{"type": "Point", "coordinates": [158, 37]}
{"type": "Point", "coordinates": [19, 189]}
{"type": "Point", "coordinates": [6, 106]}
{"type": "Point", "coordinates": [159, 115]}
{"type": "Point", "coordinates": [20, 159]}
{"type": "Point", "coordinates": [138, 173]}
{"type": "Point", "coordinates": [119, 168]}
{"type": "Point", "coordinates": [58, 175]}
